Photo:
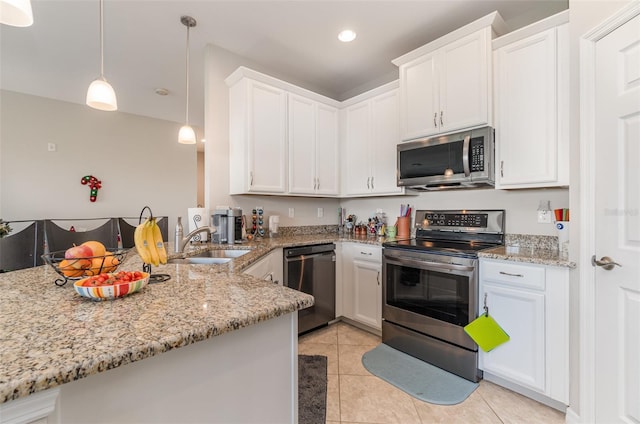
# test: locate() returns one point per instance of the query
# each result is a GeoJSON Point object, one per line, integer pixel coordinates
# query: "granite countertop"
{"type": "Point", "coordinates": [49, 335]}
{"type": "Point", "coordinates": [528, 255]}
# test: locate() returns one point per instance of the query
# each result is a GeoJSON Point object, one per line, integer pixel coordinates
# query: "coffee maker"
{"type": "Point", "coordinates": [228, 224]}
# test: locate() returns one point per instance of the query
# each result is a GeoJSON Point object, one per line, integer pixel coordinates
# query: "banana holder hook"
{"type": "Point", "coordinates": [153, 278]}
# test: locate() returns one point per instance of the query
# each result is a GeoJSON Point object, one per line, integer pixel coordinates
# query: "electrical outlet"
{"type": "Point", "coordinates": [320, 212]}
{"type": "Point", "coordinates": [544, 217]}
{"type": "Point", "coordinates": [291, 213]}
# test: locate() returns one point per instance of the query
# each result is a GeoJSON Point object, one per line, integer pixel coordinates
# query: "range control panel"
{"type": "Point", "coordinates": [475, 220]}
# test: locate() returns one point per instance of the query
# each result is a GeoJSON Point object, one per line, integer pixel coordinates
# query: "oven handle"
{"type": "Point", "coordinates": [430, 265]}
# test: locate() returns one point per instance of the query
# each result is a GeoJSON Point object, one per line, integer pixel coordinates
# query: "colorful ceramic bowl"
{"type": "Point", "coordinates": [108, 292]}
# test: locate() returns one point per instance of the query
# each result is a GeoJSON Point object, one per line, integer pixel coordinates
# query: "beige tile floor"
{"type": "Point", "coordinates": [356, 396]}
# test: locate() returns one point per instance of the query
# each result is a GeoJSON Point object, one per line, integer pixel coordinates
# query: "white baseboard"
{"type": "Point", "coordinates": [538, 397]}
{"type": "Point", "coordinates": [572, 417]}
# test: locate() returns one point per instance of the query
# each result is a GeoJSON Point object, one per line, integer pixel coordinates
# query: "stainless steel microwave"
{"type": "Point", "coordinates": [461, 160]}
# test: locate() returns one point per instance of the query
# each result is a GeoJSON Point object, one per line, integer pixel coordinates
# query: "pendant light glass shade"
{"type": "Point", "coordinates": [16, 13]}
{"type": "Point", "coordinates": [186, 135]}
{"type": "Point", "coordinates": [100, 94]}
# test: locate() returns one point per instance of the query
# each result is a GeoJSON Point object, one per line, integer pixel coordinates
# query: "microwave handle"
{"type": "Point", "coordinates": [465, 155]}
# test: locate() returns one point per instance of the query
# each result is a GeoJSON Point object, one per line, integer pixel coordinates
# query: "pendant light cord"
{"type": "Point", "coordinates": [187, 113]}
{"type": "Point", "coordinates": [101, 40]}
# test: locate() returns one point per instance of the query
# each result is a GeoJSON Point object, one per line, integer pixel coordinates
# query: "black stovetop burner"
{"type": "Point", "coordinates": [454, 233]}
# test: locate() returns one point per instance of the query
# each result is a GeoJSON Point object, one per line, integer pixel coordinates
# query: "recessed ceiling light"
{"type": "Point", "coordinates": [161, 91]}
{"type": "Point", "coordinates": [203, 140]}
{"type": "Point", "coordinates": [346, 35]}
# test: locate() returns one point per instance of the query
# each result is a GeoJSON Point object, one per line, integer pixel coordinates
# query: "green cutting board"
{"type": "Point", "coordinates": [486, 332]}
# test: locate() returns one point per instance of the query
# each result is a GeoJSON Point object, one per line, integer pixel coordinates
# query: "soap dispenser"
{"type": "Point", "coordinates": [179, 235]}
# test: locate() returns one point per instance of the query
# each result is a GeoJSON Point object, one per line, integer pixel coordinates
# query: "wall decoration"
{"type": "Point", "coordinates": [94, 185]}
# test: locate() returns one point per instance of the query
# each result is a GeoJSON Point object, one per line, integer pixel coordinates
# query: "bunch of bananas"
{"type": "Point", "coordinates": [149, 243]}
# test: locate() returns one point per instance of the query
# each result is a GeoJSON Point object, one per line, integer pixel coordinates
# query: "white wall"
{"type": "Point", "coordinates": [137, 159]}
{"type": "Point", "coordinates": [521, 205]}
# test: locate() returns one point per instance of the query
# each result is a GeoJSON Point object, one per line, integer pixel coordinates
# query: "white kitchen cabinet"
{"type": "Point", "coordinates": [532, 106]}
{"type": "Point", "coordinates": [370, 138]}
{"type": "Point", "coordinates": [530, 302]}
{"type": "Point", "coordinates": [257, 138]}
{"type": "Point", "coordinates": [313, 147]}
{"type": "Point", "coordinates": [362, 284]}
{"type": "Point", "coordinates": [447, 89]}
{"type": "Point", "coordinates": [270, 268]}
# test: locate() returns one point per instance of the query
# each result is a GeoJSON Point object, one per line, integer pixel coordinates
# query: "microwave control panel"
{"type": "Point", "coordinates": [476, 160]}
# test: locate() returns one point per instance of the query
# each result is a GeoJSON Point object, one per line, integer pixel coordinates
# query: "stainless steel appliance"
{"type": "Point", "coordinates": [461, 160]}
{"type": "Point", "coordinates": [228, 225]}
{"type": "Point", "coordinates": [430, 287]}
{"type": "Point", "coordinates": [312, 270]}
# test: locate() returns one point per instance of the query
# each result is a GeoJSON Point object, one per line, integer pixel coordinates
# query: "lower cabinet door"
{"type": "Point", "coordinates": [367, 292]}
{"type": "Point", "coordinates": [521, 313]}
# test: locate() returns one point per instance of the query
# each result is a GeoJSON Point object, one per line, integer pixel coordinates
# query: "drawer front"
{"type": "Point", "coordinates": [513, 274]}
{"type": "Point", "coordinates": [364, 252]}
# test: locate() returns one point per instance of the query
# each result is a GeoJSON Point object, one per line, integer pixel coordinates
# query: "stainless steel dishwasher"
{"type": "Point", "coordinates": [312, 270]}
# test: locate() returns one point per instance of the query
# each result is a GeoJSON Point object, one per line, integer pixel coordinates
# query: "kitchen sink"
{"type": "Point", "coordinates": [221, 253]}
{"type": "Point", "coordinates": [199, 260]}
{"type": "Point", "coordinates": [218, 256]}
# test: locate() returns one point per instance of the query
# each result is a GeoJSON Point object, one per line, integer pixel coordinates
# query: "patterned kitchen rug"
{"type": "Point", "coordinates": [417, 378]}
{"type": "Point", "coordinates": [312, 389]}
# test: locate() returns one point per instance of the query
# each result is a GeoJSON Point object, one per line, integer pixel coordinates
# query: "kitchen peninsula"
{"type": "Point", "coordinates": [209, 345]}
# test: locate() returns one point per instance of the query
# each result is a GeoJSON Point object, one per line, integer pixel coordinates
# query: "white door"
{"type": "Point", "coordinates": [367, 293]}
{"type": "Point", "coordinates": [617, 225]}
{"type": "Point", "coordinates": [419, 87]}
{"type": "Point", "coordinates": [356, 175]}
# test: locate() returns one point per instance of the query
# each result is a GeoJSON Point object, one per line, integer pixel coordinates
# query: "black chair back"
{"type": "Point", "coordinates": [23, 249]}
{"type": "Point", "coordinates": [58, 238]}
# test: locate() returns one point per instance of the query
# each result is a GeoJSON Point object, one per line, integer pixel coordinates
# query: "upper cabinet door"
{"type": "Point", "coordinates": [356, 175]}
{"type": "Point", "coordinates": [302, 142]}
{"type": "Point", "coordinates": [464, 78]}
{"type": "Point", "coordinates": [267, 138]}
{"type": "Point", "coordinates": [447, 89]}
{"type": "Point", "coordinates": [531, 111]}
{"type": "Point", "coordinates": [419, 106]}
{"type": "Point", "coordinates": [385, 136]}
{"type": "Point", "coordinates": [327, 159]}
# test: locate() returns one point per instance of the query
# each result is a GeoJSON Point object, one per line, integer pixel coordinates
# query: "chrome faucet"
{"type": "Point", "coordinates": [182, 242]}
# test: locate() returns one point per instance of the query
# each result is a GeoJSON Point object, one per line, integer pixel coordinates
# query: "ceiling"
{"type": "Point", "coordinates": [145, 44]}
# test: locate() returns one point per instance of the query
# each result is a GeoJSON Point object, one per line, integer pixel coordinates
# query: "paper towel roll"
{"type": "Point", "coordinates": [198, 217]}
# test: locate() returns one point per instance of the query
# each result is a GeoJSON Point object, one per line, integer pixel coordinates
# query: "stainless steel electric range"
{"type": "Point", "coordinates": [430, 287]}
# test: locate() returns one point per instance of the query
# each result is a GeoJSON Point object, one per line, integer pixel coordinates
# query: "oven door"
{"type": "Point", "coordinates": [428, 296]}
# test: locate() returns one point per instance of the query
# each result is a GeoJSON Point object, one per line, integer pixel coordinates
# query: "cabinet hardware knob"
{"type": "Point", "coordinates": [511, 275]}
{"type": "Point", "coordinates": [605, 262]}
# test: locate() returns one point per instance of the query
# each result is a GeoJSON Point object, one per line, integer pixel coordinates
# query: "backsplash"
{"type": "Point", "coordinates": [529, 241]}
{"type": "Point", "coordinates": [306, 230]}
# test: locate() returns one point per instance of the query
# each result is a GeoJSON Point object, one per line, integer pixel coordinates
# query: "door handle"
{"type": "Point", "coordinates": [435, 117]}
{"type": "Point", "coordinates": [605, 262]}
{"type": "Point", "coordinates": [368, 182]}
{"type": "Point", "coordinates": [372, 186]}
{"type": "Point", "coordinates": [378, 277]}
{"type": "Point", "coordinates": [366, 253]}
{"type": "Point", "coordinates": [465, 155]}
{"type": "Point", "coordinates": [501, 168]}
{"type": "Point", "coordinates": [441, 121]}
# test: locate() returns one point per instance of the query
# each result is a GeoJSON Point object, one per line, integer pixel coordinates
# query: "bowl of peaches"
{"type": "Point", "coordinates": [88, 259]}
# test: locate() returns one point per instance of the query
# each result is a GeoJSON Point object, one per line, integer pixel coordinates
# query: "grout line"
{"type": "Point", "coordinates": [489, 405]}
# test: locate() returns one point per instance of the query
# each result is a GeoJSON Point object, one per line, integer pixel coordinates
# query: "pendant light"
{"type": "Point", "coordinates": [186, 134]}
{"type": "Point", "coordinates": [16, 13]}
{"type": "Point", "coordinates": [100, 94]}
